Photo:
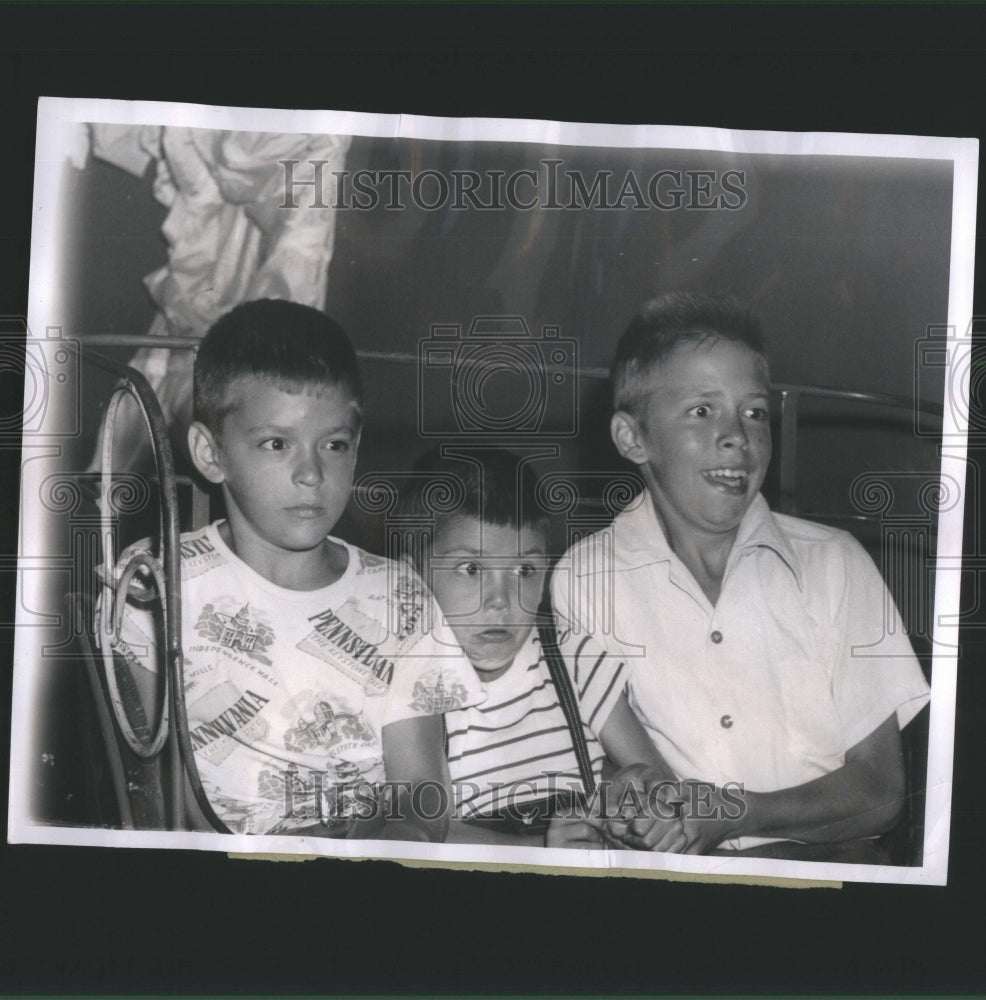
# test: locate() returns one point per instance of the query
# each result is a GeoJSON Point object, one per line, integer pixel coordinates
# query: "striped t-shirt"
{"type": "Point", "coordinates": [516, 747]}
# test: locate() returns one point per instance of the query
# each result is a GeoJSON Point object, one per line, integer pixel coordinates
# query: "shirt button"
{"type": "Point", "coordinates": [716, 636]}
{"type": "Point", "coordinates": [726, 722]}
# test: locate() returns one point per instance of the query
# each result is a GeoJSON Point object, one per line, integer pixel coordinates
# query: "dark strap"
{"type": "Point", "coordinates": [526, 817]}
{"type": "Point", "coordinates": [566, 697]}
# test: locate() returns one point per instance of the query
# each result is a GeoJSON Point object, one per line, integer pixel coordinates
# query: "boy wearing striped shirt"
{"type": "Point", "coordinates": [512, 761]}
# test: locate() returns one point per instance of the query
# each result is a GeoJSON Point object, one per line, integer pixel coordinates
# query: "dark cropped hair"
{"type": "Point", "coordinates": [484, 483]}
{"type": "Point", "coordinates": [284, 343]}
{"type": "Point", "coordinates": [662, 324]}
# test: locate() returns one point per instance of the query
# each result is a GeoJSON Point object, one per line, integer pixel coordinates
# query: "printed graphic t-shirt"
{"type": "Point", "coordinates": [287, 692]}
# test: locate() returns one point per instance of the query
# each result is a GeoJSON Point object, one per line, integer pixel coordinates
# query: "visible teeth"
{"type": "Point", "coordinates": [728, 473]}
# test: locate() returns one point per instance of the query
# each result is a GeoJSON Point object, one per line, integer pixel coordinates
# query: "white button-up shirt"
{"type": "Point", "coordinates": [802, 656]}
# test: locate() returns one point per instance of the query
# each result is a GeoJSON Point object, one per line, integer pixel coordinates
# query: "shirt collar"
{"type": "Point", "coordinates": [641, 540]}
{"type": "Point", "coordinates": [760, 529]}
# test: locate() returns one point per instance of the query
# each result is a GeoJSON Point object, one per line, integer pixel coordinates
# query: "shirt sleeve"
{"type": "Point", "coordinates": [599, 675]}
{"type": "Point", "coordinates": [565, 593]}
{"type": "Point", "coordinates": [432, 675]}
{"type": "Point", "coordinates": [875, 673]}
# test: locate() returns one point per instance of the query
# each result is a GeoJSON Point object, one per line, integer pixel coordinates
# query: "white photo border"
{"type": "Point", "coordinates": [48, 261]}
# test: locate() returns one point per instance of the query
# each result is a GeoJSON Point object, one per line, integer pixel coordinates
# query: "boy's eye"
{"type": "Point", "coordinates": [274, 444]}
{"type": "Point", "coordinates": [702, 410]}
{"type": "Point", "coordinates": [467, 568]}
{"type": "Point", "coordinates": [758, 413]}
{"type": "Point", "coordinates": [339, 446]}
{"type": "Point", "coordinates": [525, 570]}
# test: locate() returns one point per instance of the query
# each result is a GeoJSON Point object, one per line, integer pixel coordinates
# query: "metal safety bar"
{"type": "Point", "coordinates": [171, 728]}
{"type": "Point", "coordinates": [790, 400]}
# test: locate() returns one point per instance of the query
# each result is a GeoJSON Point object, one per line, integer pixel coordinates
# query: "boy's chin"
{"type": "Point", "coordinates": [289, 538]}
{"type": "Point", "coordinates": [490, 672]}
{"type": "Point", "coordinates": [726, 512]}
{"type": "Point", "coordinates": [302, 538]}
{"type": "Point", "coordinates": [491, 649]}
{"type": "Point", "coordinates": [490, 666]}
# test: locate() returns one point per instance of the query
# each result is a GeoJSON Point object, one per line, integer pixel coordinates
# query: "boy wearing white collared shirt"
{"type": "Point", "coordinates": [757, 646]}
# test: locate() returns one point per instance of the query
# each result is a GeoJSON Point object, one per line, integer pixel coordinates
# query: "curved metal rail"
{"type": "Point", "coordinates": [791, 396]}
{"type": "Point", "coordinates": [165, 568]}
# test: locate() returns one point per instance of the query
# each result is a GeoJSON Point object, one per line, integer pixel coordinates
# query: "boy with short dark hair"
{"type": "Point", "coordinates": [512, 759]}
{"type": "Point", "coordinates": [754, 643]}
{"type": "Point", "coordinates": [314, 671]}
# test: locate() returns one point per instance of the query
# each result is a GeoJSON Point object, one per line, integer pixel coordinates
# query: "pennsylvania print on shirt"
{"type": "Point", "coordinates": [287, 692]}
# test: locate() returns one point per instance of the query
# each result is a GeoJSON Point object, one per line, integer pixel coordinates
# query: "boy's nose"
{"type": "Point", "coordinates": [308, 471]}
{"type": "Point", "coordinates": [497, 590]}
{"type": "Point", "coordinates": [733, 433]}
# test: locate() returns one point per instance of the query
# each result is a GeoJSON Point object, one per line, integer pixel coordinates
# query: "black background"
{"type": "Point", "coordinates": [99, 920]}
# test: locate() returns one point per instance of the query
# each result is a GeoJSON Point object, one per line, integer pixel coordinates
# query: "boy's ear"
{"type": "Point", "coordinates": [205, 452]}
{"type": "Point", "coordinates": [625, 432]}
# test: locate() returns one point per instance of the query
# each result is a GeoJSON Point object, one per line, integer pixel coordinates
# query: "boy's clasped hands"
{"type": "Point", "coordinates": [640, 809]}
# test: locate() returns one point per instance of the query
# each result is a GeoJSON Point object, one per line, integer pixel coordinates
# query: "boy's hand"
{"type": "Point", "coordinates": [572, 832]}
{"type": "Point", "coordinates": [647, 811]}
{"type": "Point", "coordinates": [706, 820]}
{"type": "Point", "coordinates": [339, 830]}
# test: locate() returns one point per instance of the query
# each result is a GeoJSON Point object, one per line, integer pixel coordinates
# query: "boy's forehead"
{"type": "Point", "coordinates": [273, 394]}
{"type": "Point", "coordinates": [466, 532]}
{"type": "Point", "coordinates": [693, 360]}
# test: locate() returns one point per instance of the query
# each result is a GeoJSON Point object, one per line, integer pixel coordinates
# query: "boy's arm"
{"type": "Point", "coordinates": [597, 675]}
{"type": "Point", "coordinates": [599, 678]}
{"type": "Point", "coordinates": [644, 779]}
{"type": "Point", "coordinates": [413, 754]}
{"type": "Point", "coordinates": [573, 833]}
{"type": "Point", "coordinates": [627, 744]}
{"type": "Point", "coordinates": [863, 798]}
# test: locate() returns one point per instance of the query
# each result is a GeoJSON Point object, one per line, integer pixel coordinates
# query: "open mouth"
{"type": "Point", "coordinates": [306, 512]}
{"type": "Point", "coordinates": [731, 480]}
{"type": "Point", "coordinates": [495, 635]}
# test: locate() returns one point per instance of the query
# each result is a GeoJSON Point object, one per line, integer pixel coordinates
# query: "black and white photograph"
{"type": "Point", "coordinates": [578, 497]}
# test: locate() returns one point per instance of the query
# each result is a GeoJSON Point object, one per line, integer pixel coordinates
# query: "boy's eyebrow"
{"type": "Point", "coordinates": [469, 550]}
{"type": "Point", "coordinates": [707, 390]}
{"type": "Point", "coordinates": [280, 429]}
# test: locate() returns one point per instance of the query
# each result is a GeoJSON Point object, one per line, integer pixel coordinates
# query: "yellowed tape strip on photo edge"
{"type": "Point", "coordinates": [777, 883]}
